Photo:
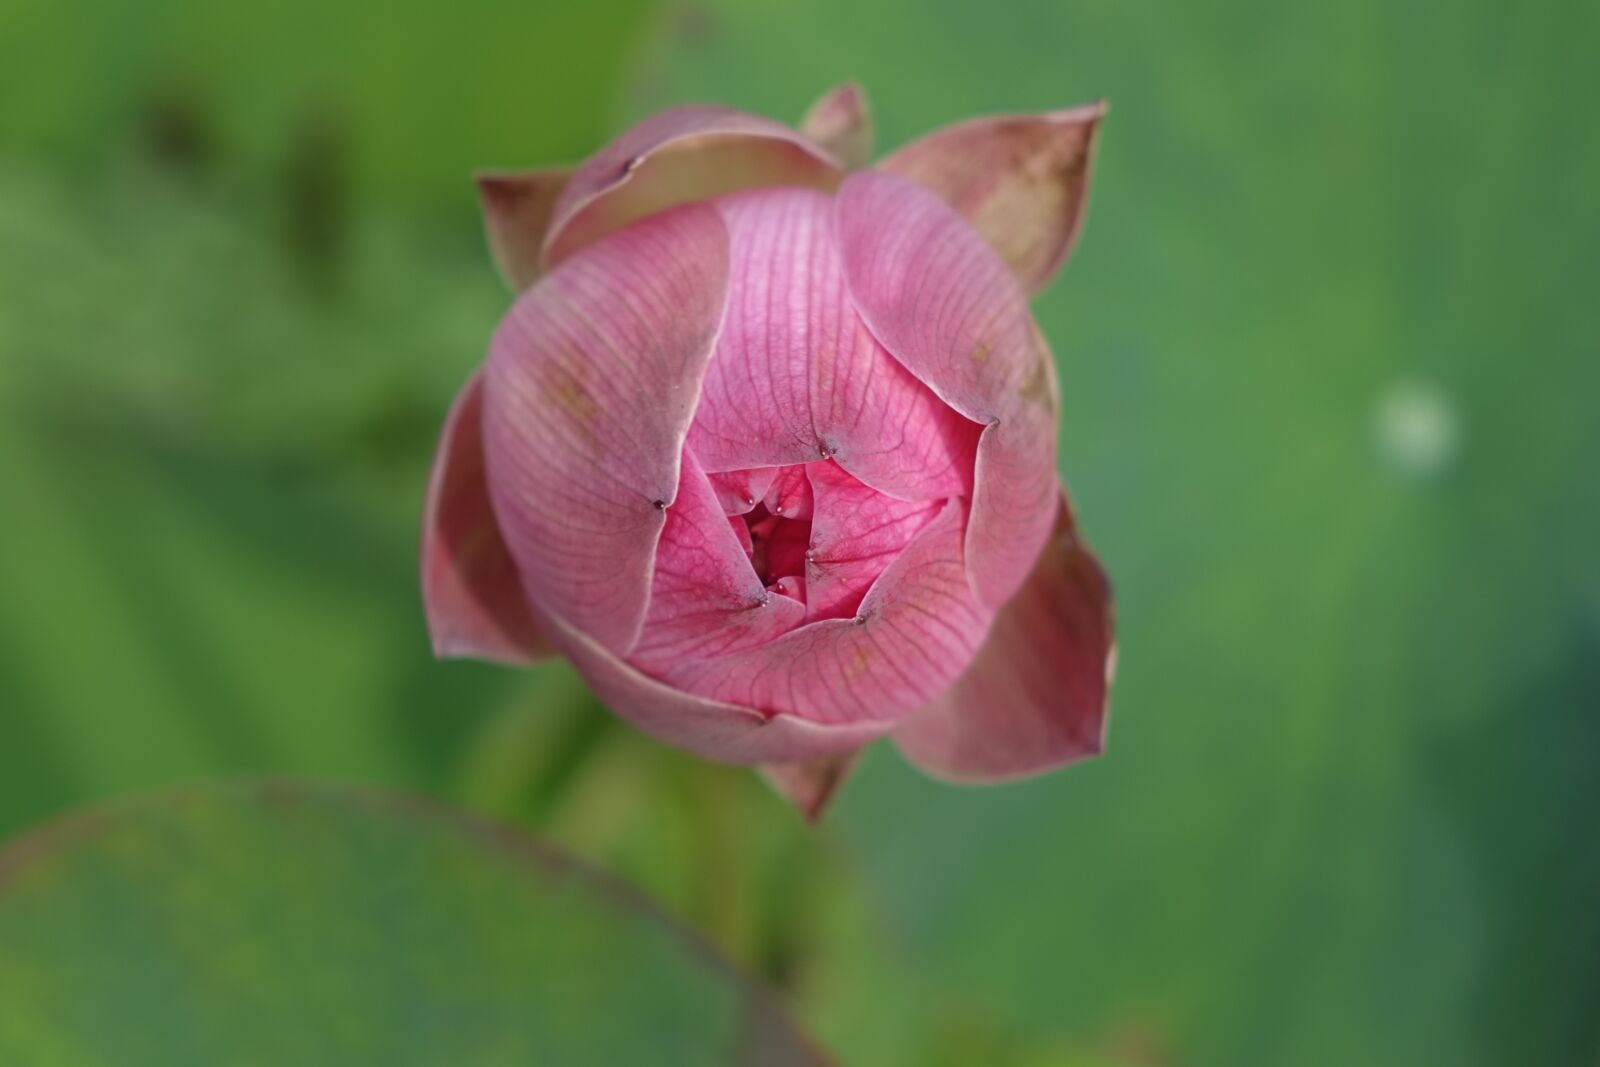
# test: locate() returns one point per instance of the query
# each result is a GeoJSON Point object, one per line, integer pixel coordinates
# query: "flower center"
{"type": "Point", "coordinates": [778, 547]}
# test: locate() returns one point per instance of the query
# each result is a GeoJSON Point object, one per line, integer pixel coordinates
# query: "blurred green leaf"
{"type": "Point", "coordinates": [212, 488]}
{"type": "Point", "coordinates": [288, 924]}
{"type": "Point", "coordinates": [419, 100]}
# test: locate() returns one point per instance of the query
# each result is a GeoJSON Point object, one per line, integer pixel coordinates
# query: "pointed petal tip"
{"type": "Point", "coordinates": [517, 209]}
{"type": "Point", "coordinates": [1093, 111]}
{"type": "Point", "coordinates": [1020, 180]}
{"type": "Point", "coordinates": [451, 647]}
{"type": "Point", "coordinates": [810, 786]}
{"type": "Point", "coordinates": [841, 122]}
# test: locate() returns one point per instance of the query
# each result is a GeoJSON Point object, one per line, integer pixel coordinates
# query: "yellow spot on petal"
{"type": "Point", "coordinates": [1035, 389]}
{"type": "Point", "coordinates": [858, 662]}
{"type": "Point", "coordinates": [566, 391]}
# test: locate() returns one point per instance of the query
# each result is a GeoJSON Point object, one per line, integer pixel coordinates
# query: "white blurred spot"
{"type": "Point", "coordinates": [1417, 428]}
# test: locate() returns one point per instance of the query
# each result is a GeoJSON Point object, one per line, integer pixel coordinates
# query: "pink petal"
{"type": "Point", "coordinates": [516, 217]}
{"type": "Point", "coordinates": [1021, 180]}
{"type": "Point", "coordinates": [741, 530]}
{"type": "Point", "coordinates": [856, 532]}
{"type": "Point", "coordinates": [470, 587]}
{"type": "Point", "coordinates": [797, 377]}
{"type": "Point", "coordinates": [678, 156]}
{"type": "Point", "coordinates": [705, 598]}
{"type": "Point", "coordinates": [945, 306]}
{"type": "Point", "coordinates": [841, 123]}
{"type": "Point", "coordinates": [707, 728]}
{"type": "Point", "coordinates": [790, 493]}
{"type": "Point", "coordinates": [810, 786]}
{"type": "Point", "coordinates": [591, 382]}
{"type": "Point", "coordinates": [792, 586]}
{"type": "Point", "coordinates": [915, 632]}
{"type": "Point", "coordinates": [740, 491]}
{"type": "Point", "coordinates": [1035, 698]}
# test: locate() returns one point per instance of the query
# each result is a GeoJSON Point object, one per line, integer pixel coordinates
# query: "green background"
{"type": "Point", "coordinates": [1332, 418]}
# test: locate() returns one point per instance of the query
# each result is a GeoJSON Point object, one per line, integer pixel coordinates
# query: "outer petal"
{"type": "Point", "coordinates": [470, 587]}
{"type": "Point", "coordinates": [708, 728]}
{"type": "Point", "coordinates": [917, 629]}
{"type": "Point", "coordinates": [591, 382]}
{"type": "Point", "coordinates": [840, 122]}
{"type": "Point", "coordinates": [945, 306]}
{"type": "Point", "coordinates": [680, 155]}
{"type": "Point", "coordinates": [1022, 181]}
{"type": "Point", "coordinates": [810, 786]}
{"type": "Point", "coordinates": [1035, 698]}
{"type": "Point", "coordinates": [705, 598]}
{"type": "Point", "coordinates": [797, 376]}
{"type": "Point", "coordinates": [516, 217]}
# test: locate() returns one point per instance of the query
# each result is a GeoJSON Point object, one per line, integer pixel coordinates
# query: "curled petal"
{"type": "Point", "coordinates": [944, 305]}
{"type": "Point", "coordinates": [1022, 181]}
{"type": "Point", "coordinates": [855, 533]}
{"type": "Point", "coordinates": [740, 491]}
{"type": "Point", "coordinates": [470, 587]}
{"type": "Point", "coordinates": [516, 217]}
{"type": "Point", "coordinates": [915, 631]}
{"type": "Point", "coordinates": [789, 494]}
{"type": "Point", "coordinates": [798, 377]}
{"type": "Point", "coordinates": [705, 599]}
{"type": "Point", "coordinates": [1035, 697]}
{"type": "Point", "coordinates": [591, 382]}
{"type": "Point", "coordinates": [677, 156]}
{"type": "Point", "coordinates": [810, 786]}
{"type": "Point", "coordinates": [840, 122]}
{"type": "Point", "coordinates": [711, 729]}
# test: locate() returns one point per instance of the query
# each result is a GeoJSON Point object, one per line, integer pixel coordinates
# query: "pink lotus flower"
{"type": "Point", "coordinates": [767, 445]}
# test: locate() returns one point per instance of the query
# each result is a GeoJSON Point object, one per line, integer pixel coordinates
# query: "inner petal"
{"type": "Point", "coordinates": [856, 533]}
{"type": "Point", "coordinates": [796, 377]}
{"type": "Point", "coordinates": [774, 529]}
{"type": "Point", "coordinates": [705, 600]}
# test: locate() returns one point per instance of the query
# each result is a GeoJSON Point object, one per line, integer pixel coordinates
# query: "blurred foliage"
{"type": "Point", "coordinates": [1329, 374]}
{"type": "Point", "coordinates": [425, 96]}
{"type": "Point", "coordinates": [159, 931]}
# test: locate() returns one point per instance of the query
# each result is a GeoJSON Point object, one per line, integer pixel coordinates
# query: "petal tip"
{"type": "Point", "coordinates": [517, 209]}
{"type": "Point", "coordinates": [841, 123]}
{"type": "Point", "coordinates": [1021, 180]}
{"type": "Point", "coordinates": [810, 786]}
{"type": "Point", "coordinates": [1093, 111]}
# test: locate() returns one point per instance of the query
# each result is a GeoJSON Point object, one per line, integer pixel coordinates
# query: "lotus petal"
{"type": "Point", "coordinates": [797, 377]}
{"type": "Point", "coordinates": [812, 785]}
{"type": "Point", "coordinates": [470, 587]}
{"type": "Point", "coordinates": [705, 599]}
{"type": "Point", "coordinates": [840, 122]}
{"type": "Point", "coordinates": [915, 631]}
{"type": "Point", "coordinates": [1035, 697]}
{"type": "Point", "coordinates": [516, 218]}
{"type": "Point", "coordinates": [711, 729]}
{"type": "Point", "coordinates": [591, 383]}
{"type": "Point", "coordinates": [789, 494]}
{"type": "Point", "coordinates": [1022, 181]}
{"type": "Point", "coordinates": [740, 491]}
{"type": "Point", "coordinates": [947, 308]}
{"type": "Point", "coordinates": [856, 532]}
{"type": "Point", "coordinates": [678, 156]}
